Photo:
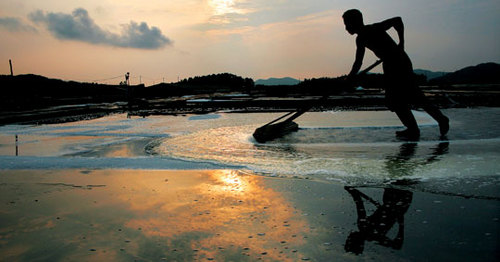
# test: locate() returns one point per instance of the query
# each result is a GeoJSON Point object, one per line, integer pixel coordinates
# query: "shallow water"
{"type": "Point", "coordinates": [355, 147]}
{"type": "Point", "coordinates": [227, 215]}
{"type": "Point", "coordinates": [179, 188]}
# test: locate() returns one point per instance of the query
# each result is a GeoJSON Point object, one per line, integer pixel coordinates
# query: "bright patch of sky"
{"type": "Point", "coordinates": [174, 39]}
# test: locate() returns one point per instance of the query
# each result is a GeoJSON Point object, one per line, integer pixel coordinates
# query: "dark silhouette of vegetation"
{"type": "Point", "coordinates": [325, 85]}
{"type": "Point", "coordinates": [330, 86]}
{"type": "Point", "coordinates": [30, 93]}
{"type": "Point", "coordinates": [43, 90]}
{"type": "Point", "coordinates": [429, 74]}
{"type": "Point", "coordinates": [487, 73]}
{"type": "Point", "coordinates": [339, 85]}
{"type": "Point", "coordinates": [313, 86]}
{"type": "Point", "coordinates": [209, 84]}
{"type": "Point", "coordinates": [222, 81]}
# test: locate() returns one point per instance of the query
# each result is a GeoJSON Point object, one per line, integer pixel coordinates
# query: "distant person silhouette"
{"type": "Point", "coordinates": [401, 91]}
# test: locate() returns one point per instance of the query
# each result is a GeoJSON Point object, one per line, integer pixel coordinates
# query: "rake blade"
{"type": "Point", "coordinates": [270, 132]}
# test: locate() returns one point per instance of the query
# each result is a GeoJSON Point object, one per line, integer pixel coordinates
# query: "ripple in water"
{"type": "Point", "coordinates": [314, 153]}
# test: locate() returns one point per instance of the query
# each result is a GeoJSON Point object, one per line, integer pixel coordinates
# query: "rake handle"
{"type": "Point", "coordinates": [325, 97]}
{"type": "Point", "coordinates": [302, 111]}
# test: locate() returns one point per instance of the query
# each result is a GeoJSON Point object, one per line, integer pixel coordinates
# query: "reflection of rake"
{"type": "Point", "coordinates": [272, 131]}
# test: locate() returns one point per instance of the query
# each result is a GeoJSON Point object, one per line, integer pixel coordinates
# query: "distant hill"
{"type": "Point", "coordinates": [277, 81]}
{"type": "Point", "coordinates": [23, 92]}
{"type": "Point", "coordinates": [429, 74]}
{"type": "Point", "coordinates": [487, 73]}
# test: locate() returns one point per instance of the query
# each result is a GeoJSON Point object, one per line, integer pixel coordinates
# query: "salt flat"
{"type": "Point", "coordinates": [198, 187]}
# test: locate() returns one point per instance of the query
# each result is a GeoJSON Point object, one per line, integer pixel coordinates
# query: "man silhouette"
{"type": "Point", "coordinates": [376, 226]}
{"type": "Point", "coordinates": [401, 90]}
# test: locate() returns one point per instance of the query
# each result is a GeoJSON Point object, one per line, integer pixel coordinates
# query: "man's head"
{"type": "Point", "coordinates": [353, 21]}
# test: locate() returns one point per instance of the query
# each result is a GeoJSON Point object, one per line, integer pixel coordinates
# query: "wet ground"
{"type": "Point", "coordinates": [198, 187]}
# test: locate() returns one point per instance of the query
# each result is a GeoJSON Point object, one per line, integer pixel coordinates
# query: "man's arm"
{"type": "Point", "coordinates": [360, 54]}
{"type": "Point", "coordinates": [398, 25]}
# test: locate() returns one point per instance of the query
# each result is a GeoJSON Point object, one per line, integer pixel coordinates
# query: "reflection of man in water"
{"type": "Point", "coordinates": [395, 202]}
{"type": "Point", "coordinates": [401, 90]}
{"type": "Point", "coordinates": [376, 226]}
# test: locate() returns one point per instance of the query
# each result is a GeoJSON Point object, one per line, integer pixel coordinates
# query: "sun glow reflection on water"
{"type": "Point", "coordinates": [219, 198]}
{"type": "Point", "coordinates": [182, 215]}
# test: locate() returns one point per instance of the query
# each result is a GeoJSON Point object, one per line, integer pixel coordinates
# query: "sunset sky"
{"type": "Point", "coordinates": [156, 40]}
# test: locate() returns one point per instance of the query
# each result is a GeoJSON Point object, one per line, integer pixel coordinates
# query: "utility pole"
{"type": "Point", "coordinates": [11, 72]}
{"type": "Point", "coordinates": [17, 145]}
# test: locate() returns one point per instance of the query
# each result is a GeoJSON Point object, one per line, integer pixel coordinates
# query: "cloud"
{"type": "Point", "coordinates": [14, 24]}
{"type": "Point", "coordinates": [79, 26]}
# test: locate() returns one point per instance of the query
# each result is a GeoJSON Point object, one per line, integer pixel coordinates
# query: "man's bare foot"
{"type": "Point", "coordinates": [408, 134]}
{"type": "Point", "coordinates": [444, 126]}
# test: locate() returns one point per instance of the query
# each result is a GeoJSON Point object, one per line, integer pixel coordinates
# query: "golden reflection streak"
{"type": "Point", "coordinates": [222, 214]}
{"type": "Point", "coordinates": [228, 208]}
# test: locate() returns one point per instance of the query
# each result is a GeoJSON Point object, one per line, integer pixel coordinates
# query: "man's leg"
{"type": "Point", "coordinates": [443, 121]}
{"type": "Point", "coordinates": [434, 112]}
{"type": "Point", "coordinates": [406, 116]}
